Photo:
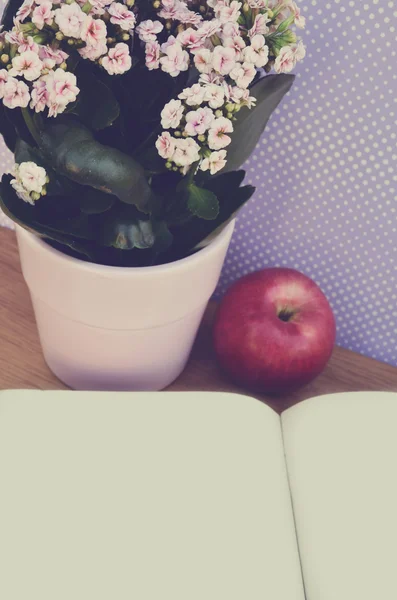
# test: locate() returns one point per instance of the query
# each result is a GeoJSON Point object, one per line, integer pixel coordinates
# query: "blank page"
{"type": "Point", "coordinates": [165, 496]}
{"type": "Point", "coordinates": [341, 454]}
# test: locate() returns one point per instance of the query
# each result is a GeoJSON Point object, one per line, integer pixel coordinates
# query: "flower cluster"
{"type": "Point", "coordinates": [228, 48]}
{"type": "Point", "coordinates": [33, 52]}
{"type": "Point", "coordinates": [29, 181]}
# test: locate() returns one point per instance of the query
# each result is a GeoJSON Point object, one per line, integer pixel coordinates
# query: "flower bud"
{"type": "Point", "coordinates": [177, 134]}
{"type": "Point", "coordinates": [110, 40]}
{"type": "Point", "coordinates": [269, 13]}
{"type": "Point", "coordinates": [218, 113]}
{"type": "Point", "coordinates": [40, 38]}
{"type": "Point", "coordinates": [156, 4]}
{"type": "Point", "coordinates": [230, 107]}
{"type": "Point", "coordinates": [125, 37]}
{"type": "Point", "coordinates": [4, 58]}
{"type": "Point", "coordinates": [47, 179]}
{"type": "Point", "coordinates": [202, 9]}
{"type": "Point", "coordinates": [59, 36]}
{"type": "Point", "coordinates": [35, 196]}
{"type": "Point", "coordinates": [168, 165]}
{"type": "Point", "coordinates": [130, 3]}
{"type": "Point", "coordinates": [69, 1]}
{"type": "Point", "coordinates": [1, 46]}
{"type": "Point", "coordinates": [168, 25]}
{"type": "Point", "coordinates": [246, 8]}
{"type": "Point", "coordinates": [201, 138]}
{"type": "Point", "coordinates": [71, 42]}
{"type": "Point", "coordinates": [43, 192]}
{"type": "Point", "coordinates": [63, 66]}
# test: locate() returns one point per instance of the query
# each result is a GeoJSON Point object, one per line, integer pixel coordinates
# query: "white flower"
{"type": "Point", "coordinates": [93, 52]}
{"type": "Point", "coordinates": [16, 94]}
{"type": "Point", "coordinates": [70, 19]}
{"type": "Point", "coordinates": [243, 74]}
{"type": "Point", "coordinates": [20, 191]}
{"type": "Point", "coordinates": [152, 54]}
{"type": "Point", "coordinates": [62, 90]}
{"type": "Point", "coordinates": [208, 29]}
{"type": "Point", "coordinates": [187, 152]}
{"type": "Point", "coordinates": [257, 53]}
{"type": "Point", "coordinates": [300, 20]}
{"type": "Point", "coordinates": [217, 137]}
{"type": "Point", "coordinates": [214, 95]}
{"type": "Point", "coordinates": [285, 61]}
{"type": "Point", "coordinates": [230, 12]}
{"type": "Point", "coordinates": [175, 60]}
{"type": "Point", "coordinates": [223, 60]}
{"type": "Point", "coordinates": [203, 60]}
{"type": "Point", "coordinates": [165, 145]}
{"type": "Point", "coordinates": [51, 56]}
{"type": "Point", "coordinates": [199, 121]}
{"type": "Point", "coordinates": [40, 95]}
{"type": "Point", "coordinates": [98, 6]}
{"type": "Point", "coordinates": [230, 30]}
{"type": "Point", "coordinates": [3, 81]}
{"type": "Point", "coordinates": [27, 65]}
{"type": "Point", "coordinates": [121, 16]}
{"type": "Point", "coordinates": [148, 30]}
{"type": "Point", "coordinates": [193, 96]}
{"type": "Point", "coordinates": [43, 15]}
{"type": "Point", "coordinates": [260, 25]}
{"type": "Point", "coordinates": [32, 177]}
{"type": "Point", "coordinates": [118, 60]}
{"type": "Point", "coordinates": [171, 114]}
{"type": "Point", "coordinates": [215, 162]}
{"type": "Point", "coordinates": [93, 32]}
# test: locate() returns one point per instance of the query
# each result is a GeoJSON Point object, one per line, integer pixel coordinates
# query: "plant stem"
{"type": "Point", "coordinates": [31, 125]}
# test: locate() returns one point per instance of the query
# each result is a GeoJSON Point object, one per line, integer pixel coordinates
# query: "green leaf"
{"type": "Point", "coordinates": [7, 129]}
{"type": "Point", "coordinates": [123, 228]}
{"type": "Point", "coordinates": [72, 150]}
{"type": "Point", "coordinates": [94, 202]}
{"type": "Point", "coordinates": [96, 104]}
{"type": "Point", "coordinates": [202, 203]}
{"type": "Point", "coordinates": [250, 124]}
{"type": "Point", "coordinates": [285, 24]}
{"type": "Point", "coordinates": [197, 233]}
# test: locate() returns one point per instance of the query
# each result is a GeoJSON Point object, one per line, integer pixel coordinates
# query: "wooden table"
{"type": "Point", "coordinates": [22, 364]}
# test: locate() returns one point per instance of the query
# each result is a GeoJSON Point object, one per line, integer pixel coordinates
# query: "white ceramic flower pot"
{"type": "Point", "coordinates": [116, 328]}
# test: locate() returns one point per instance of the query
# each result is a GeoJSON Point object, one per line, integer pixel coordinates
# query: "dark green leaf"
{"type": "Point", "coordinates": [202, 203]}
{"type": "Point", "coordinates": [7, 129]}
{"type": "Point", "coordinates": [93, 202]}
{"type": "Point", "coordinates": [72, 151]}
{"type": "Point", "coordinates": [122, 228]}
{"type": "Point", "coordinates": [96, 104]}
{"type": "Point", "coordinates": [250, 124]}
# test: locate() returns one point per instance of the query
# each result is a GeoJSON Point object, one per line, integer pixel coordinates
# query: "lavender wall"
{"type": "Point", "coordinates": [326, 174]}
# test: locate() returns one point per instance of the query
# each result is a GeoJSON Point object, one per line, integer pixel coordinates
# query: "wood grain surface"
{"type": "Point", "coordinates": [22, 364]}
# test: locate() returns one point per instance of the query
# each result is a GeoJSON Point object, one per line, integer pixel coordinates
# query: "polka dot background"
{"type": "Point", "coordinates": [326, 174]}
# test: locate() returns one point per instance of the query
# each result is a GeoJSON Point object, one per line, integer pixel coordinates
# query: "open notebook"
{"type": "Point", "coordinates": [197, 496]}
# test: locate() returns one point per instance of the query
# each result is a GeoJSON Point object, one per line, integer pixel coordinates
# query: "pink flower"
{"type": "Point", "coordinates": [28, 44]}
{"type": "Point", "coordinates": [171, 41]}
{"type": "Point", "coordinates": [190, 39]}
{"type": "Point", "coordinates": [175, 60]}
{"type": "Point", "coordinates": [299, 51]}
{"type": "Point", "coordinates": [230, 30]}
{"type": "Point", "coordinates": [230, 12]}
{"type": "Point", "coordinates": [27, 65]}
{"type": "Point", "coordinates": [237, 43]}
{"type": "Point", "coordinates": [186, 153]}
{"type": "Point", "coordinates": [300, 20]}
{"type": "Point", "coordinates": [43, 15]}
{"type": "Point", "coordinates": [209, 28]}
{"type": "Point", "coordinates": [199, 121]}
{"type": "Point", "coordinates": [52, 56]}
{"type": "Point", "coordinates": [118, 59]}
{"type": "Point", "coordinates": [62, 90]}
{"type": "Point", "coordinates": [70, 19]}
{"type": "Point", "coordinates": [188, 17]}
{"type": "Point", "coordinates": [39, 95]}
{"type": "Point", "coordinates": [93, 32]}
{"type": "Point", "coordinates": [121, 16]}
{"type": "Point", "coordinates": [243, 74]}
{"type": "Point", "coordinates": [165, 145]}
{"type": "Point", "coordinates": [16, 94]}
{"type": "Point", "coordinates": [203, 60]}
{"type": "Point", "coordinates": [257, 53]}
{"type": "Point", "coordinates": [171, 114]}
{"type": "Point", "coordinates": [194, 95]}
{"type": "Point", "coordinates": [260, 26]}
{"type": "Point", "coordinates": [93, 52]}
{"type": "Point", "coordinates": [148, 30]}
{"type": "Point", "coordinates": [24, 10]}
{"type": "Point", "coordinates": [214, 95]}
{"type": "Point", "coordinates": [152, 54]}
{"type": "Point", "coordinates": [285, 61]}
{"type": "Point", "coordinates": [3, 81]}
{"type": "Point", "coordinates": [223, 60]}
{"type": "Point", "coordinates": [217, 137]}
{"type": "Point", "coordinates": [98, 6]}
{"type": "Point", "coordinates": [169, 9]}
{"type": "Point", "coordinates": [15, 37]}
{"type": "Point", "coordinates": [215, 162]}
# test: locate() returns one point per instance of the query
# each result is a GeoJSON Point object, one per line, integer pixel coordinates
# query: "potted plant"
{"type": "Point", "coordinates": [129, 124]}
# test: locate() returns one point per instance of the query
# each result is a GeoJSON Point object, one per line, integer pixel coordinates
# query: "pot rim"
{"type": "Point", "coordinates": [35, 240]}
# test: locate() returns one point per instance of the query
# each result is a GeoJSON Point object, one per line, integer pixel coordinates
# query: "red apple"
{"type": "Point", "coordinates": [274, 330]}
